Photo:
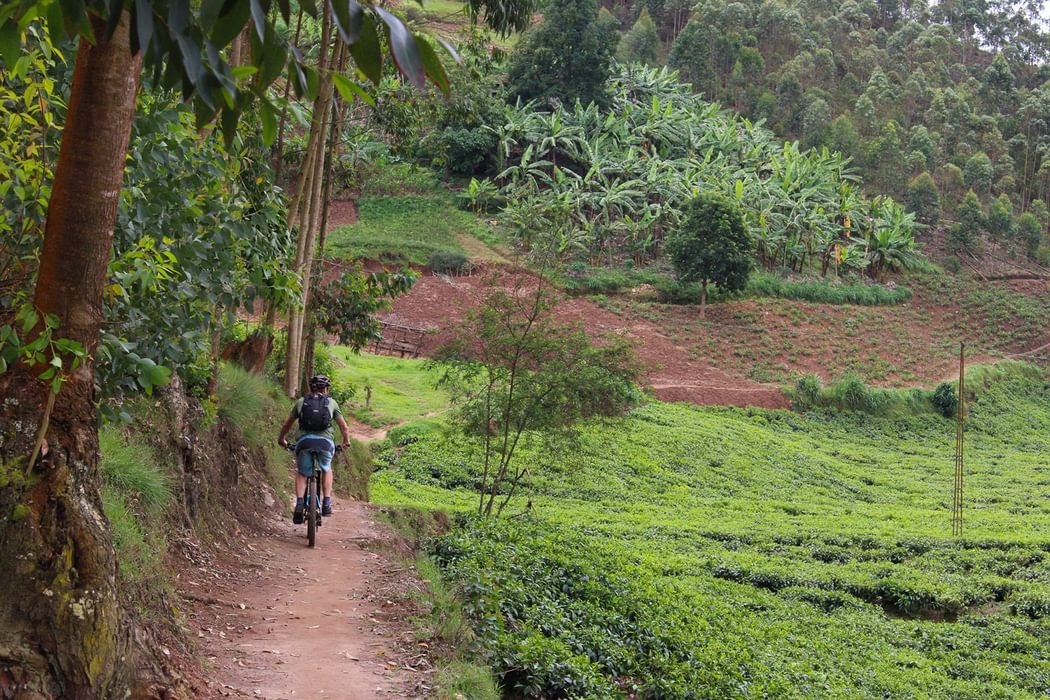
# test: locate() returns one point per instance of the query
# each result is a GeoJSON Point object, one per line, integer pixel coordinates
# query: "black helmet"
{"type": "Point", "coordinates": [320, 381]}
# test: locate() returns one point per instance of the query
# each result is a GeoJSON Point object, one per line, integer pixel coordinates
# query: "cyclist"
{"type": "Point", "coordinates": [315, 442]}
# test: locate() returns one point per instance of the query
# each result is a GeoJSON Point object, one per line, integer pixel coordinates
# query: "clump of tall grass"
{"type": "Point", "coordinates": [851, 393]}
{"type": "Point", "coordinates": [135, 494]}
{"type": "Point", "coordinates": [130, 469]}
{"type": "Point", "coordinates": [248, 401]}
{"type": "Point", "coordinates": [822, 292]}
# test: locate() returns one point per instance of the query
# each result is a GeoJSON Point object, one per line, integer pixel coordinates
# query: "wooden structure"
{"type": "Point", "coordinates": [400, 338]}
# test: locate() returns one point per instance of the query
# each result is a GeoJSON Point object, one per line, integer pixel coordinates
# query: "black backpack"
{"type": "Point", "coordinates": [315, 416]}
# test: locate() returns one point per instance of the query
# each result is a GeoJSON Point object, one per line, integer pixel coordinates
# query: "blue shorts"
{"type": "Point", "coordinates": [311, 450]}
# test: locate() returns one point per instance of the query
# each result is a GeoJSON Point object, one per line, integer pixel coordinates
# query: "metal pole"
{"type": "Point", "coordinates": [960, 419]}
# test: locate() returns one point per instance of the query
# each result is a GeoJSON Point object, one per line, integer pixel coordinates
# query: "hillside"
{"type": "Point", "coordinates": [700, 552]}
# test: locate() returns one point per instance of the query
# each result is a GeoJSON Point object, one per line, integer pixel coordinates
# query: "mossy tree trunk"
{"type": "Point", "coordinates": [63, 632]}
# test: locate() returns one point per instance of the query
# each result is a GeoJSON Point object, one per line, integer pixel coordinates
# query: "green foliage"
{"type": "Point", "coordinates": [697, 551]}
{"type": "Point", "coordinates": [978, 174]}
{"type": "Point", "coordinates": [946, 399]}
{"type": "Point", "coordinates": [822, 292]}
{"type": "Point", "coordinates": [582, 279]}
{"type": "Point", "coordinates": [461, 679]}
{"type": "Point", "coordinates": [923, 199]}
{"type": "Point", "coordinates": [712, 245]}
{"type": "Point", "coordinates": [1029, 234]}
{"type": "Point", "coordinates": [850, 393]}
{"type": "Point", "coordinates": [672, 291]}
{"type": "Point", "coordinates": [807, 392]}
{"type": "Point", "coordinates": [641, 44]}
{"type": "Point", "coordinates": [511, 368]}
{"type": "Point", "coordinates": [251, 403]}
{"type": "Point", "coordinates": [965, 234]}
{"type": "Point", "coordinates": [1000, 220]}
{"type": "Point", "coordinates": [403, 229]}
{"type": "Point", "coordinates": [347, 307]}
{"type": "Point", "coordinates": [566, 58]}
{"type": "Point", "coordinates": [135, 494]}
{"type": "Point", "coordinates": [402, 390]}
{"type": "Point", "coordinates": [609, 186]}
{"type": "Point", "coordinates": [449, 262]}
{"type": "Point", "coordinates": [215, 243]}
{"type": "Point", "coordinates": [129, 467]}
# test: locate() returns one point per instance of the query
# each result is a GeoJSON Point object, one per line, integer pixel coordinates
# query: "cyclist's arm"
{"type": "Point", "coordinates": [344, 428]}
{"type": "Point", "coordinates": [284, 431]}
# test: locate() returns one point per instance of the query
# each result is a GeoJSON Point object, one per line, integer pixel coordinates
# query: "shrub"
{"type": "Point", "coordinates": [807, 392]}
{"type": "Point", "coordinates": [945, 399]}
{"type": "Point", "coordinates": [448, 262]}
{"type": "Point", "coordinates": [674, 292]}
{"type": "Point", "coordinates": [851, 393]}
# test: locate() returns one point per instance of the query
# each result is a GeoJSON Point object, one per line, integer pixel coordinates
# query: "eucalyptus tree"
{"type": "Point", "coordinates": [63, 623]}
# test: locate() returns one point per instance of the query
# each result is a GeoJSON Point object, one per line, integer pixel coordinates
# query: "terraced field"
{"type": "Point", "coordinates": [688, 552]}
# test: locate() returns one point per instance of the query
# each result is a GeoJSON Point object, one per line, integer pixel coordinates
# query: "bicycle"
{"type": "Point", "coordinates": [312, 497]}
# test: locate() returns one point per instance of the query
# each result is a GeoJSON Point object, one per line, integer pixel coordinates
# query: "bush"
{"type": "Point", "coordinates": [807, 392]}
{"type": "Point", "coordinates": [945, 399]}
{"type": "Point", "coordinates": [448, 262]}
{"type": "Point", "coordinates": [851, 393]}
{"type": "Point", "coordinates": [671, 291]}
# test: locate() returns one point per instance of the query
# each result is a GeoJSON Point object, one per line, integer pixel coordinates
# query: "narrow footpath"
{"type": "Point", "coordinates": [278, 620]}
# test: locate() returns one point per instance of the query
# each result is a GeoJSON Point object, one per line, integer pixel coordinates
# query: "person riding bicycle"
{"type": "Point", "coordinates": [315, 443]}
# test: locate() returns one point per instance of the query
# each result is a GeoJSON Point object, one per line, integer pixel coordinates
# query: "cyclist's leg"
{"type": "Point", "coordinates": [304, 468]}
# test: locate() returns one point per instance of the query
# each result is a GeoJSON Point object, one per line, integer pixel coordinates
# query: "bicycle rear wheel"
{"type": "Point", "coordinates": [311, 515]}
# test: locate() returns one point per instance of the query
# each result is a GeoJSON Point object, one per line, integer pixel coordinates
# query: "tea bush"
{"type": "Point", "coordinates": [686, 552]}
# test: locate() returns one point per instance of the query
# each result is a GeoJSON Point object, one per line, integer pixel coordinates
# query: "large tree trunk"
{"type": "Point", "coordinates": [63, 633]}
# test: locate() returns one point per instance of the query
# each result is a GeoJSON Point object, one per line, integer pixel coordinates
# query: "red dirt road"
{"type": "Point", "coordinates": [281, 621]}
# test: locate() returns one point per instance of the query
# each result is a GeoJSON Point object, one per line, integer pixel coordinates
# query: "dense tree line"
{"type": "Point", "coordinates": [931, 101]}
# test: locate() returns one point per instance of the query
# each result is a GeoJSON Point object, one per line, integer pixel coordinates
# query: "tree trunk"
{"type": "Point", "coordinates": [306, 209]}
{"type": "Point", "coordinates": [703, 300]}
{"type": "Point", "coordinates": [63, 632]}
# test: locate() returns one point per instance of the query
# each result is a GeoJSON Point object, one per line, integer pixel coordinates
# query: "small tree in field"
{"type": "Point", "coordinates": [515, 373]}
{"type": "Point", "coordinates": [711, 246]}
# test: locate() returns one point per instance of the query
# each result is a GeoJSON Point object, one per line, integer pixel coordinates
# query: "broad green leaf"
{"type": "Point", "coordinates": [259, 17]}
{"type": "Point", "coordinates": [272, 55]}
{"type": "Point", "coordinates": [432, 65]}
{"type": "Point", "coordinates": [367, 53]}
{"type": "Point", "coordinates": [10, 43]}
{"type": "Point", "coordinates": [269, 122]}
{"type": "Point", "coordinates": [348, 89]}
{"type": "Point", "coordinates": [405, 48]}
{"type": "Point", "coordinates": [447, 45]}
{"type": "Point", "coordinates": [231, 22]}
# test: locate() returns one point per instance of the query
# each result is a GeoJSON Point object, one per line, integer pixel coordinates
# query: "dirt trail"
{"type": "Point", "coordinates": [280, 621]}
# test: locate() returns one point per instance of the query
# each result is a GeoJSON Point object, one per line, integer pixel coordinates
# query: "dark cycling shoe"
{"type": "Point", "coordinates": [326, 509]}
{"type": "Point", "coordinates": [297, 517]}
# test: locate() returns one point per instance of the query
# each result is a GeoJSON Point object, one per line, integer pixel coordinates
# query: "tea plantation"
{"type": "Point", "coordinates": [685, 552]}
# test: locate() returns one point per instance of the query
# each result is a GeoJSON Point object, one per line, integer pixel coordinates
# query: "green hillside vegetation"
{"type": "Point", "coordinates": [954, 91]}
{"type": "Point", "coordinates": [699, 552]}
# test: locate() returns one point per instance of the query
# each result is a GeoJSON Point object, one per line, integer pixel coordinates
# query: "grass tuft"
{"type": "Point", "coordinates": [129, 468]}
{"type": "Point", "coordinates": [249, 401]}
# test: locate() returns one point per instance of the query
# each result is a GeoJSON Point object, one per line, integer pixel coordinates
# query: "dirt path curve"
{"type": "Point", "coordinates": [281, 621]}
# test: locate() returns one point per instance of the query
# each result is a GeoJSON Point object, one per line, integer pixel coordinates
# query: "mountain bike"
{"type": "Point", "coordinates": [312, 497]}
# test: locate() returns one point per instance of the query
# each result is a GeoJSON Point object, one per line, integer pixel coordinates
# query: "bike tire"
{"type": "Point", "coordinates": [311, 516]}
